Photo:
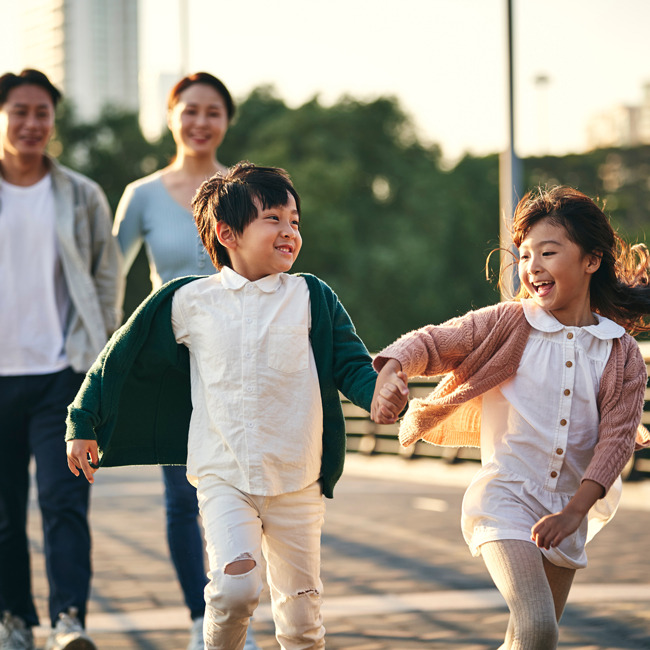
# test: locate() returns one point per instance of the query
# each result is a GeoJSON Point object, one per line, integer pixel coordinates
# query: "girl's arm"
{"type": "Point", "coordinates": [551, 530]}
{"type": "Point", "coordinates": [435, 350]}
{"type": "Point", "coordinates": [621, 407]}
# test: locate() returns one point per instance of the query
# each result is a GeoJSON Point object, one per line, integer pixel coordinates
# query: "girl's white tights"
{"type": "Point", "coordinates": [535, 590]}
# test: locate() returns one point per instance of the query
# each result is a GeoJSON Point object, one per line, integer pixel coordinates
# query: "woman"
{"type": "Point", "coordinates": [156, 210]}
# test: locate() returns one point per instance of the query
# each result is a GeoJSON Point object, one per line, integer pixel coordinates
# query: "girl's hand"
{"type": "Point", "coordinates": [391, 393]}
{"type": "Point", "coordinates": [77, 451]}
{"type": "Point", "coordinates": [549, 531]}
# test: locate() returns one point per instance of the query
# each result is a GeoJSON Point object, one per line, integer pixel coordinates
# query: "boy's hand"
{"type": "Point", "coordinates": [391, 393]}
{"type": "Point", "coordinates": [78, 451]}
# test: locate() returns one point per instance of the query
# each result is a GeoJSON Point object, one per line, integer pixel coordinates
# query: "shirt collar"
{"type": "Point", "coordinates": [544, 321]}
{"type": "Point", "coordinates": [233, 281]}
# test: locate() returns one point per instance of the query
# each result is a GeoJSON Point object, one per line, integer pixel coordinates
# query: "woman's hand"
{"type": "Point", "coordinates": [78, 451]}
{"type": "Point", "coordinates": [551, 530]}
{"type": "Point", "coordinates": [391, 393]}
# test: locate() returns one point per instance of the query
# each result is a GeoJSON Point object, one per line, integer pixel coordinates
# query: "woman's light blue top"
{"type": "Point", "coordinates": [147, 213]}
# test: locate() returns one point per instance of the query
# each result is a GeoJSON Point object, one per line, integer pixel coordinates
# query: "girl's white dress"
{"type": "Point", "coordinates": [538, 432]}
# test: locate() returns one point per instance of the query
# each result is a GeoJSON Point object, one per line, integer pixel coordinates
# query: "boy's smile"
{"type": "Point", "coordinates": [269, 244]}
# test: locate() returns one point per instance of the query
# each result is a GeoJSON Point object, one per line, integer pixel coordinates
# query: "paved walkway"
{"type": "Point", "coordinates": [397, 573]}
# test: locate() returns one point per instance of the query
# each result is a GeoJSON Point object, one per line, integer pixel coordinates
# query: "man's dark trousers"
{"type": "Point", "coordinates": [33, 409]}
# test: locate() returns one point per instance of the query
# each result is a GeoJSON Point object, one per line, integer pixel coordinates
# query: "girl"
{"type": "Point", "coordinates": [551, 387]}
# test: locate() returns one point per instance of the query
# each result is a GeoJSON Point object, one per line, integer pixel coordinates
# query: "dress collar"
{"type": "Point", "coordinates": [233, 281]}
{"type": "Point", "coordinates": [544, 321]}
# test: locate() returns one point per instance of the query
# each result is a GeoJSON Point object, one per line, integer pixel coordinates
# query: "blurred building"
{"type": "Point", "coordinates": [88, 48]}
{"type": "Point", "coordinates": [622, 126]}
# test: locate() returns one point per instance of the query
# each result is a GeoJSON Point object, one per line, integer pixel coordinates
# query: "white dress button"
{"type": "Point", "coordinates": [249, 389]}
{"type": "Point", "coordinates": [248, 355]}
{"type": "Point", "coordinates": [249, 320]}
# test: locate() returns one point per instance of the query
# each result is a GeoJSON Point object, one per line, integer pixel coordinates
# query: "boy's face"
{"type": "Point", "coordinates": [269, 244]}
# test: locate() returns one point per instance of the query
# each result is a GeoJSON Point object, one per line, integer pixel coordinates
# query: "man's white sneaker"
{"type": "Point", "coordinates": [14, 634]}
{"type": "Point", "coordinates": [68, 634]}
{"type": "Point", "coordinates": [196, 635]}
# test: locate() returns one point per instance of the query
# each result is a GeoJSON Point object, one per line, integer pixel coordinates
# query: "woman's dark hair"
{"type": "Point", "coordinates": [9, 81]}
{"type": "Point", "coordinates": [619, 288]}
{"type": "Point", "coordinates": [202, 78]}
{"type": "Point", "coordinates": [231, 198]}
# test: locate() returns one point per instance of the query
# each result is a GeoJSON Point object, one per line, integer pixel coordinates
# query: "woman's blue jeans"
{"type": "Point", "coordinates": [185, 538]}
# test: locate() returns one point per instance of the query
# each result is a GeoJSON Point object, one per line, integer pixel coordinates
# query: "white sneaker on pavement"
{"type": "Point", "coordinates": [196, 637]}
{"type": "Point", "coordinates": [14, 634]}
{"type": "Point", "coordinates": [68, 634]}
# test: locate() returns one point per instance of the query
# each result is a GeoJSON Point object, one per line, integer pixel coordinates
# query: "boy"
{"type": "Point", "coordinates": [268, 353]}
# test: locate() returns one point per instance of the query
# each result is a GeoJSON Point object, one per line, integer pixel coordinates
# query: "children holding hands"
{"type": "Point", "coordinates": [551, 387]}
{"type": "Point", "coordinates": [250, 361]}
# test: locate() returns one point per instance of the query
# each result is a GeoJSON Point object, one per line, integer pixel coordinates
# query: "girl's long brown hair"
{"type": "Point", "coordinates": [620, 288]}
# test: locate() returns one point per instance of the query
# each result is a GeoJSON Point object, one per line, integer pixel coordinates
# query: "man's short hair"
{"type": "Point", "coordinates": [9, 81]}
{"type": "Point", "coordinates": [231, 198]}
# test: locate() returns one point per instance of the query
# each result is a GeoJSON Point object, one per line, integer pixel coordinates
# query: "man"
{"type": "Point", "coordinates": [60, 297]}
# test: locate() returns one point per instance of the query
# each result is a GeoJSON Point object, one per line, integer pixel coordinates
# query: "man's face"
{"type": "Point", "coordinates": [26, 121]}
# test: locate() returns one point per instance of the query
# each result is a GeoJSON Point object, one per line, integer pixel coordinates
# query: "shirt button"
{"type": "Point", "coordinates": [250, 425]}
{"type": "Point", "coordinates": [248, 355]}
{"type": "Point", "coordinates": [553, 474]}
{"type": "Point", "coordinates": [569, 364]}
{"type": "Point", "coordinates": [559, 452]}
{"type": "Point", "coordinates": [563, 423]}
{"type": "Point", "coordinates": [249, 389]}
{"type": "Point", "coordinates": [567, 391]}
{"type": "Point", "coordinates": [249, 320]}
{"type": "Point", "coordinates": [201, 265]}
{"type": "Point", "coordinates": [249, 287]}
{"type": "Point", "coordinates": [569, 335]}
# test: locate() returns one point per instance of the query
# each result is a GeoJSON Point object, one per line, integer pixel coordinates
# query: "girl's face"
{"type": "Point", "coordinates": [199, 120]}
{"type": "Point", "coordinates": [556, 272]}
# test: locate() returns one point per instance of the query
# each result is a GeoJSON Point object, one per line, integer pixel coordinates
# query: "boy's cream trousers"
{"type": "Point", "coordinates": [286, 529]}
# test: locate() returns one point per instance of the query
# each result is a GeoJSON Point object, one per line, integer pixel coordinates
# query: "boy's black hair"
{"type": "Point", "coordinates": [231, 198]}
{"type": "Point", "coordinates": [9, 81]}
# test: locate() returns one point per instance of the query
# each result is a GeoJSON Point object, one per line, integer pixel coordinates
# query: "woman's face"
{"type": "Point", "coordinates": [199, 120]}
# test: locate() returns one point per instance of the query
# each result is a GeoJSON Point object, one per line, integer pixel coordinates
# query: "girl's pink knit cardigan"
{"type": "Point", "coordinates": [481, 350]}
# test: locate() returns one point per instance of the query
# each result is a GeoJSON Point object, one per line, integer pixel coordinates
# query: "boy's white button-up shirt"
{"type": "Point", "coordinates": [257, 419]}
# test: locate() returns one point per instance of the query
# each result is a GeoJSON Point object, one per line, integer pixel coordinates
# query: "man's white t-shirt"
{"type": "Point", "coordinates": [34, 298]}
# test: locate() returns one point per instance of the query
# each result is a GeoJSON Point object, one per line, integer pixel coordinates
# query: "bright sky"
{"type": "Point", "coordinates": [444, 59]}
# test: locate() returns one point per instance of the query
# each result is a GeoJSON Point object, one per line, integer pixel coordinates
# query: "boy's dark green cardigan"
{"type": "Point", "coordinates": [136, 398]}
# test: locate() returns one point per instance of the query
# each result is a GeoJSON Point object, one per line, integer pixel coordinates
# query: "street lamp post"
{"type": "Point", "coordinates": [510, 181]}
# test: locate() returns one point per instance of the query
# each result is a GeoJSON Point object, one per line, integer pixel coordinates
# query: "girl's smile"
{"type": "Point", "coordinates": [557, 273]}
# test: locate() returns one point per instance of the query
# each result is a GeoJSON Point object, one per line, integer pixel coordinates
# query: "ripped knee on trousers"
{"type": "Point", "coordinates": [242, 564]}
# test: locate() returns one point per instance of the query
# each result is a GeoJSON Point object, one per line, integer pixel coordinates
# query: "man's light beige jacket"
{"type": "Point", "coordinates": [91, 262]}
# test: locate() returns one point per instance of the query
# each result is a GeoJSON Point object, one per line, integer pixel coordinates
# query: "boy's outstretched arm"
{"type": "Point", "coordinates": [391, 393]}
{"type": "Point", "coordinates": [78, 451]}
